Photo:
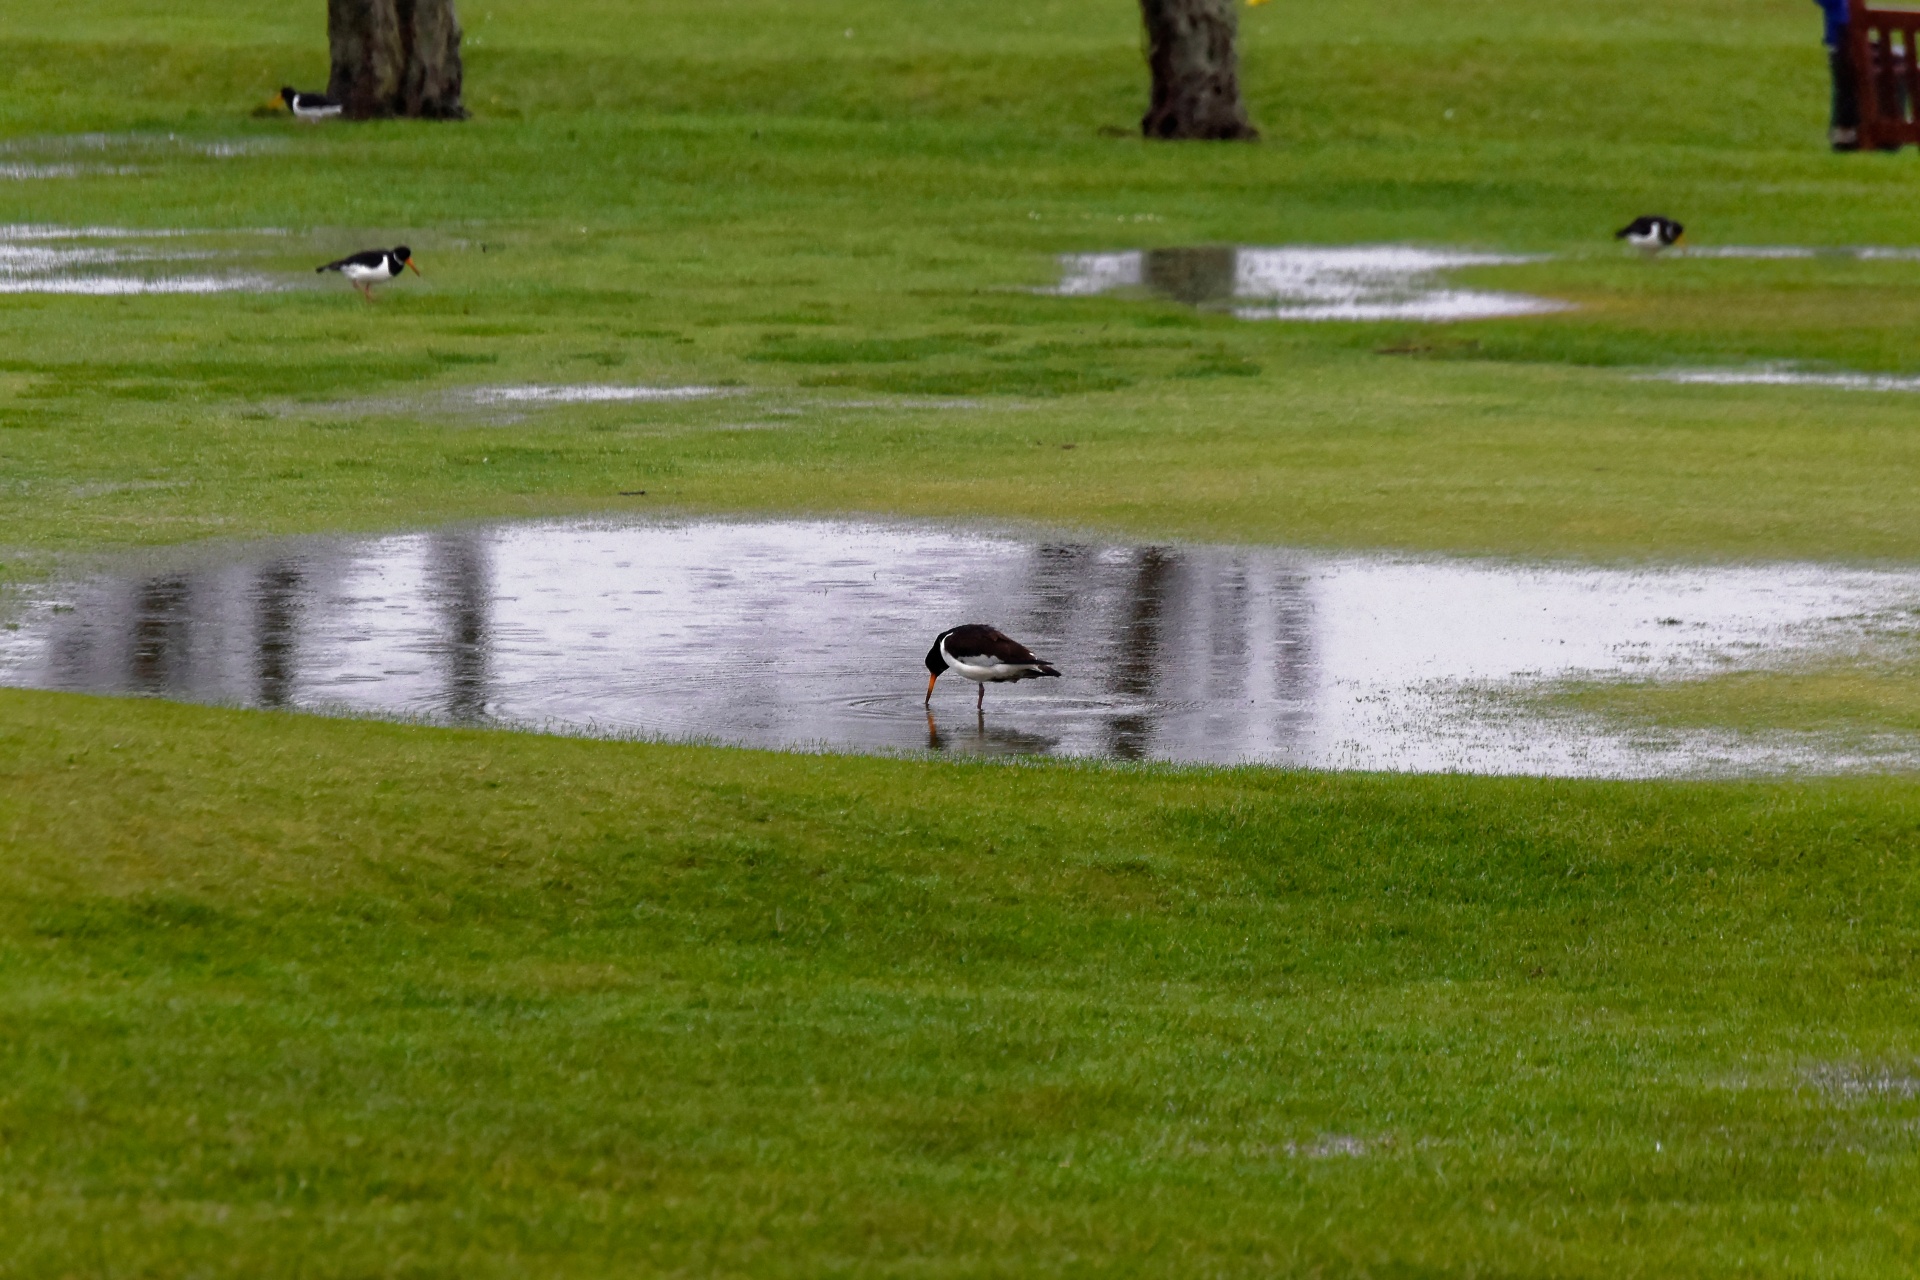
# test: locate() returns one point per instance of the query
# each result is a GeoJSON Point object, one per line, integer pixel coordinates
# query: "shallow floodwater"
{"type": "Point", "coordinates": [810, 634]}
{"type": "Point", "coordinates": [115, 261]}
{"type": "Point", "coordinates": [1796, 252]}
{"type": "Point", "coordinates": [1306, 282]}
{"type": "Point", "coordinates": [1779, 376]}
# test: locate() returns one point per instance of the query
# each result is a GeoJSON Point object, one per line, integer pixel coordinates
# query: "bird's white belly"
{"type": "Point", "coordinates": [366, 275]}
{"type": "Point", "coordinates": [990, 672]}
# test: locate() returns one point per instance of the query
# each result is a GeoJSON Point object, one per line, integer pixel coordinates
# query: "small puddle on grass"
{"type": "Point", "coordinates": [1306, 282]}
{"type": "Point", "coordinates": [114, 261]}
{"type": "Point", "coordinates": [810, 634]}
{"type": "Point", "coordinates": [1786, 376]}
{"type": "Point", "coordinates": [587, 393]}
{"type": "Point", "coordinates": [57, 156]}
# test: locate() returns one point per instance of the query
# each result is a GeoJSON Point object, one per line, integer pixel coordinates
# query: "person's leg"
{"type": "Point", "coordinates": [1844, 124]}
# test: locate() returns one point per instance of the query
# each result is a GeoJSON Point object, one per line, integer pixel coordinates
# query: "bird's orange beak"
{"type": "Point", "coordinates": [414, 269]}
{"type": "Point", "coordinates": [930, 680]}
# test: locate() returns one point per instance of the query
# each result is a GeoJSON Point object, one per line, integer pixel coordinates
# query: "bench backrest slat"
{"type": "Point", "coordinates": [1881, 45]}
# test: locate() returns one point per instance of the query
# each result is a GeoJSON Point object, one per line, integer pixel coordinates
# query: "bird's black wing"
{"type": "Point", "coordinates": [365, 258]}
{"type": "Point", "coordinates": [977, 640]}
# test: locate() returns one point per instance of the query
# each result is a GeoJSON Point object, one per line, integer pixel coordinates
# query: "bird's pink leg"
{"type": "Point", "coordinates": [980, 703]}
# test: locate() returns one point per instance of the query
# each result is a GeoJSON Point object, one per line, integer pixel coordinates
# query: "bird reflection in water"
{"type": "Point", "coordinates": [979, 740]}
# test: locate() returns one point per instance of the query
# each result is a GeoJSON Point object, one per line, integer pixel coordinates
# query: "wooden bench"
{"type": "Point", "coordinates": [1881, 45]}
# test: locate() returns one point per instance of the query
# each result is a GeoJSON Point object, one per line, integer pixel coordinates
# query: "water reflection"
{"type": "Point", "coordinates": [810, 633]}
{"type": "Point", "coordinates": [276, 616]}
{"type": "Point", "coordinates": [458, 578]}
{"type": "Point", "coordinates": [1306, 282]}
{"type": "Point", "coordinates": [1190, 275]}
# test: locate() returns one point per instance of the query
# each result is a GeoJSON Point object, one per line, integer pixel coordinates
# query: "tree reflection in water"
{"type": "Point", "coordinates": [459, 586]}
{"type": "Point", "coordinates": [277, 615]}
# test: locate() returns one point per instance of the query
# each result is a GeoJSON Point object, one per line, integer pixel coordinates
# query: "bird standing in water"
{"type": "Point", "coordinates": [311, 107]}
{"type": "Point", "coordinates": [983, 655]}
{"type": "Point", "coordinates": [1650, 233]}
{"type": "Point", "coordinates": [373, 266]}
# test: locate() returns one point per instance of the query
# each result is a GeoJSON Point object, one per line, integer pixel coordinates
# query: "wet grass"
{"type": "Point", "coordinates": [1851, 699]}
{"type": "Point", "coordinates": [760, 198]}
{"type": "Point", "coordinates": [398, 1000]}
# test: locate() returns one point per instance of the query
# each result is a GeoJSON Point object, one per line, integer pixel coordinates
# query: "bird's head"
{"type": "Point", "coordinates": [936, 663]}
{"type": "Point", "coordinates": [287, 94]}
{"type": "Point", "coordinates": [406, 255]}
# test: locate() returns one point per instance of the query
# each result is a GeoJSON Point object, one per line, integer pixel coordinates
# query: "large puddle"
{"type": "Point", "coordinates": [1306, 282]}
{"type": "Point", "coordinates": [810, 634]}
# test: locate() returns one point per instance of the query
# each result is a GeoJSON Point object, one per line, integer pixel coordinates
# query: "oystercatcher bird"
{"type": "Point", "coordinates": [372, 267]}
{"type": "Point", "coordinates": [984, 655]}
{"type": "Point", "coordinates": [1650, 233]}
{"type": "Point", "coordinates": [308, 106]}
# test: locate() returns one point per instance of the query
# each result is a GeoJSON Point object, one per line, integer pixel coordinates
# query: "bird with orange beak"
{"type": "Point", "coordinates": [983, 655]}
{"type": "Point", "coordinates": [373, 266]}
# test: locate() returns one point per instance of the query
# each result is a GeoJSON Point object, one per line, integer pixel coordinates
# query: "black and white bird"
{"type": "Point", "coordinates": [984, 655]}
{"type": "Point", "coordinates": [372, 267]}
{"type": "Point", "coordinates": [1650, 233]}
{"type": "Point", "coordinates": [308, 106]}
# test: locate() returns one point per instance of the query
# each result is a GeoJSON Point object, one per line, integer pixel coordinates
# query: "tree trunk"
{"type": "Point", "coordinates": [395, 58]}
{"type": "Point", "coordinates": [430, 90]}
{"type": "Point", "coordinates": [1196, 71]}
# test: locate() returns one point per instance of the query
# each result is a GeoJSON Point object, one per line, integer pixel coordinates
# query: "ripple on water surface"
{"type": "Point", "coordinates": [811, 633]}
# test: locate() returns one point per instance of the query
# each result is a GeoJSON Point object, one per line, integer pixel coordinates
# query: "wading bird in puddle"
{"type": "Point", "coordinates": [983, 655]}
{"type": "Point", "coordinates": [372, 267]}
{"type": "Point", "coordinates": [1650, 233]}
{"type": "Point", "coordinates": [308, 106]}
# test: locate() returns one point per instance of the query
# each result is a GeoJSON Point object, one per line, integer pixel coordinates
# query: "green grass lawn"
{"type": "Point", "coordinates": [663, 193]}
{"type": "Point", "coordinates": [295, 995]}
{"type": "Point", "coordinates": [286, 996]}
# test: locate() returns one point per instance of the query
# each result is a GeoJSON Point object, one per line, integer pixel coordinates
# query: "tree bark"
{"type": "Point", "coordinates": [1196, 71]}
{"type": "Point", "coordinates": [430, 89]}
{"type": "Point", "coordinates": [395, 58]}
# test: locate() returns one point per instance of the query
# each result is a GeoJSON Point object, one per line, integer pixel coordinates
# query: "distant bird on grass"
{"type": "Point", "coordinates": [372, 267]}
{"type": "Point", "coordinates": [983, 655]}
{"type": "Point", "coordinates": [1650, 233]}
{"type": "Point", "coordinates": [308, 106]}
